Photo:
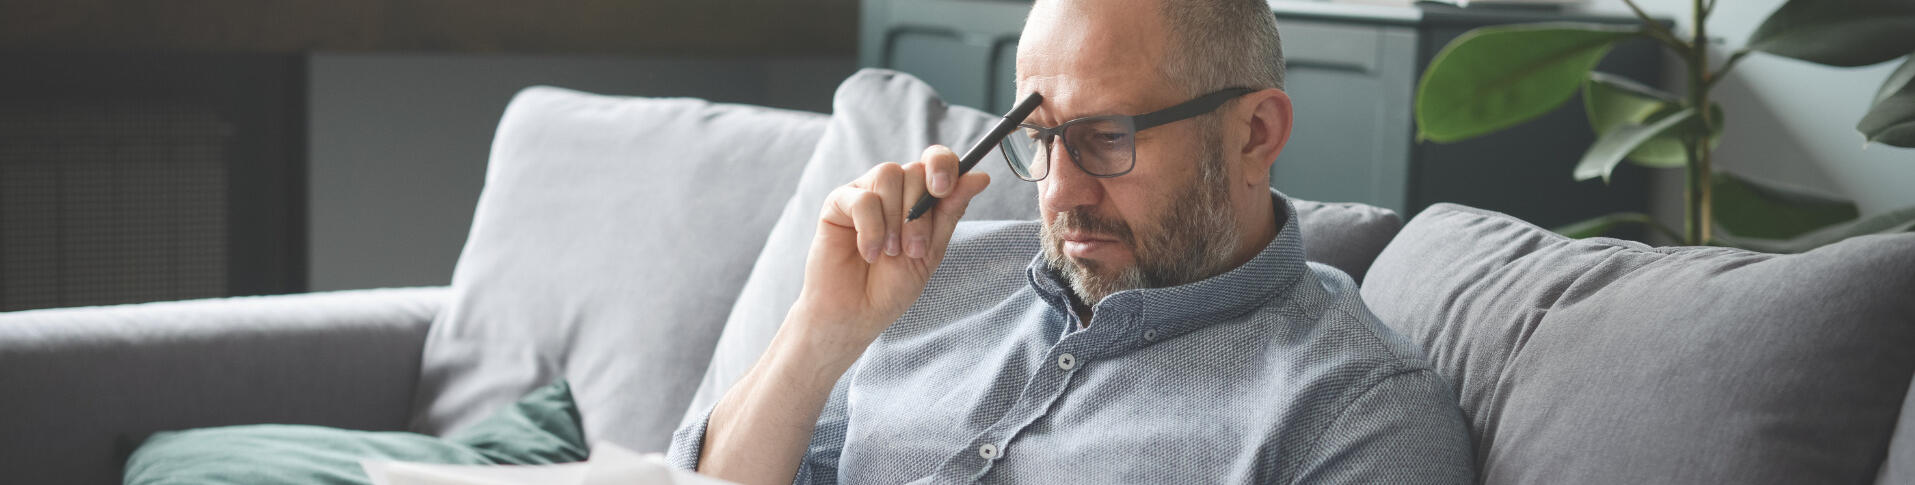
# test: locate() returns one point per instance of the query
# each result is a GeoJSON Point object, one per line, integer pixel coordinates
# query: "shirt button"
{"type": "Point", "coordinates": [1066, 362]}
{"type": "Point", "coordinates": [1150, 335]}
{"type": "Point", "coordinates": [988, 451]}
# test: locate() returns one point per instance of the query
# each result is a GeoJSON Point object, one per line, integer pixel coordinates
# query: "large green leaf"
{"type": "Point", "coordinates": [1611, 147]}
{"type": "Point", "coordinates": [1891, 120]}
{"type": "Point", "coordinates": [1492, 78]}
{"type": "Point", "coordinates": [1891, 221]}
{"type": "Point", "coordinates": [1613, 101]}
{"type": "Point", "coordinates": [1751, 210]}
{"type": "Point", "coordinates": [1839, 32]}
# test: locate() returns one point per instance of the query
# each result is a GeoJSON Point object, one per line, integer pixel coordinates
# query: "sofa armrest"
{"type": "Point", "coordinates": [81, 387]}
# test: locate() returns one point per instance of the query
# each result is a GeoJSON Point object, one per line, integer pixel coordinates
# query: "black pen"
{"type": "Point", "coordinates": [982, 148]}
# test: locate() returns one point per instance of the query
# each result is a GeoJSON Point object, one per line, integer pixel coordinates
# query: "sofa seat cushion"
{"type": "Point", "coordinates": [881, 115]}
{"type": "Point", "coordinates": [1608, 361]}
{"type": "Point", "coordinates": [609, 242]}
{"type": "Point", "coordinates": [541, 428]}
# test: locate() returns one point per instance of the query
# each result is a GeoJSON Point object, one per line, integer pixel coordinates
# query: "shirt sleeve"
{"type": "Point", "coordinates": [820, 464]}
{"type": "Point", "coordinates": [1405, 429]}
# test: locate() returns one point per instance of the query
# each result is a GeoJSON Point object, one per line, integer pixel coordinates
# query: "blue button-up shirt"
{"type": "Point", "coordinates": [1273, 372]}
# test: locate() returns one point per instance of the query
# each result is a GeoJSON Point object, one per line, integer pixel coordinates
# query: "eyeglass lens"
{"type": "Point", "coordinates": [1100, 146]}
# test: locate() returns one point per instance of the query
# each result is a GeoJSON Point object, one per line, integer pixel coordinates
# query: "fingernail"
{"type": "Point", "coordinates": [940, 182]}
{"type": "Point", "coordinates": [891, 245]}
{"type": "Point", "coordinates": [917, 247]}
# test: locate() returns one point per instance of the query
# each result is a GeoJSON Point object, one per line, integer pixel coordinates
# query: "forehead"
{"type": "Point", "coordinates": [1092, 57]}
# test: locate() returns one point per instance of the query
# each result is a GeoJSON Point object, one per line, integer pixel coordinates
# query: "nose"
{"type": "Point", "coordinates": [1068, 186]}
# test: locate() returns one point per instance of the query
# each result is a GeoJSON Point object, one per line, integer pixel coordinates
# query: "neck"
{"type": "Point", "coordinates": [1083, 312]}
{"type": "Point", "coordinates": [1260, 224]}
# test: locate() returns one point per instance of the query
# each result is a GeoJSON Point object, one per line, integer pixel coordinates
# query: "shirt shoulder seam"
{"type": "Point", "coordinates": [1412, 362]}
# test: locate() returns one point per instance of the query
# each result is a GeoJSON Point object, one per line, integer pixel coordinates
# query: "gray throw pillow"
{"type": "Point", "coordinates": [1608, 361]}
{"type": "Point", "coordinates": [880, 115]}
{"type": "Point", "coordinates": [611, 238]}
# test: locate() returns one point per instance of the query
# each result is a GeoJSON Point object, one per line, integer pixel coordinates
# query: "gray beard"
{"type": "Point", "coordinates": [1196, 238]}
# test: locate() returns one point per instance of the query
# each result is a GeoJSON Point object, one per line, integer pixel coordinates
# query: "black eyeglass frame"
{"type": "Point", "coordinates": [1198, 106]}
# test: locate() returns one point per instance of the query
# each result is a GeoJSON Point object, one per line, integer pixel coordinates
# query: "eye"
{"type": "Point", "coordinates": [1110, 139]}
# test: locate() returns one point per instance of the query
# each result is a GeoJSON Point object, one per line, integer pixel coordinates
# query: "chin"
{"type": "Point", "coordinates": [1092, 280]}
{"type": "Point", "coordinates": [1103, 268]}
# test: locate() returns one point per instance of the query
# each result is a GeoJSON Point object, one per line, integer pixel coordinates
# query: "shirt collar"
{"type": "Point", "coordinates": [1154, 314]}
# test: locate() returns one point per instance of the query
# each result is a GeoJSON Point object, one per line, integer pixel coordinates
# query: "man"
{"type": "Point", "coordinates": [1158, 326]}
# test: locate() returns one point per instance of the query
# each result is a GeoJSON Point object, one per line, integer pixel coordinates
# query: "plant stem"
{"type": "Point", "coordinates": [1643, 16]}
{"type": "Point", "coordinates": [1700, 217]}
{"type": "Point", "coordinates": [1657, 31]}
{"type": "Point", "coordinates": [1728, 65]}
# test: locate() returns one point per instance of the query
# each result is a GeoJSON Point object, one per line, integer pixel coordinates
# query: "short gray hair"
{"type": "Point", "coordinates": [1216, 44]}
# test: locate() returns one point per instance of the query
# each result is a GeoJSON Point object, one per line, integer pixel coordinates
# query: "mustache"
{"type": "Point", "coordinates": [1083, 220]}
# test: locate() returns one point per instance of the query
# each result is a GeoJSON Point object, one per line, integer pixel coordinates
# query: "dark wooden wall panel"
{"type": "Point", "coordinates": [615, 27]}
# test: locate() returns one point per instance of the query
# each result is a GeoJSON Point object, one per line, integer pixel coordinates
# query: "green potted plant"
{"type": "Point", "coordinates": [1495, 77]}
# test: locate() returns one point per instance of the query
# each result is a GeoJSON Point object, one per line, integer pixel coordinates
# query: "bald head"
{"type": "Point", "coordinates": [1069, 47]}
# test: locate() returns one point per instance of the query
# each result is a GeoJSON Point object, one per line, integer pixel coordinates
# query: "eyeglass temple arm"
{"type": "Point", "coordinates": [1188, 109]}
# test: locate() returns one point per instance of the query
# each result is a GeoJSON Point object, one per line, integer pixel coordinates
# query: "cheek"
{"type": "Point", "coordinates": [1169, 159]}
{"type": "Point", "coordinates": [1155, 182]}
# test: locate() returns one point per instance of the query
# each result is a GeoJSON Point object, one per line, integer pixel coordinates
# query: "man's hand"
{"type": "Point", "coordinates": [867, 265]}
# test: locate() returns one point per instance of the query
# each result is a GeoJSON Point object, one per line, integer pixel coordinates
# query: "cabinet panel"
{"type": "Point", "coordinates": [943, 60]}
{"type": "Point", "coordinates": [1347, 88]}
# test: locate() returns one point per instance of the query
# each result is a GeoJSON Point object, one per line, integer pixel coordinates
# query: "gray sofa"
{"type": "Point", "coordinates": [645, 249]}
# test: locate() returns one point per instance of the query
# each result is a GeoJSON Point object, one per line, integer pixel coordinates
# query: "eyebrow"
{"type": "Point", "coordinates": [1123, 109]}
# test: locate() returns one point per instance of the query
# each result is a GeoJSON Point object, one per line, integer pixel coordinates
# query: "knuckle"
{"type": "Point", "coordinates": [838, 198]}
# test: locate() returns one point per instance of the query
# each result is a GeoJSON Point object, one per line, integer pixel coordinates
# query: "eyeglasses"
{"type": "Point", "coordinates": [1103, 146]}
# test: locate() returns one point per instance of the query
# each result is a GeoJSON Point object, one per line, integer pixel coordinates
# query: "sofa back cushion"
{"type": "Point", "coordinates": [1608, 361]}
{"type": "Point", "coordinates": [880, 115]}
{"type": "Point", "coordinates": [610, 240]}
{"type": "Point", "coordinates": [1345, 235]}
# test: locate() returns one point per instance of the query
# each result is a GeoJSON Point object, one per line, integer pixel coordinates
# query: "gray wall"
{"type": "Point", "coordinates": [1789, 122]}
{"type": "Point", "coordinates": [398, 143]}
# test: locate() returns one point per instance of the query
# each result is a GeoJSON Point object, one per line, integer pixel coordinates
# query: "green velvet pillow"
{"type": "Point", "coordinates": [542, 428]}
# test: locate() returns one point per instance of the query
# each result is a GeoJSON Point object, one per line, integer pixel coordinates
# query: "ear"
{"type": "Point", "coordinates": [1269, 120]}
